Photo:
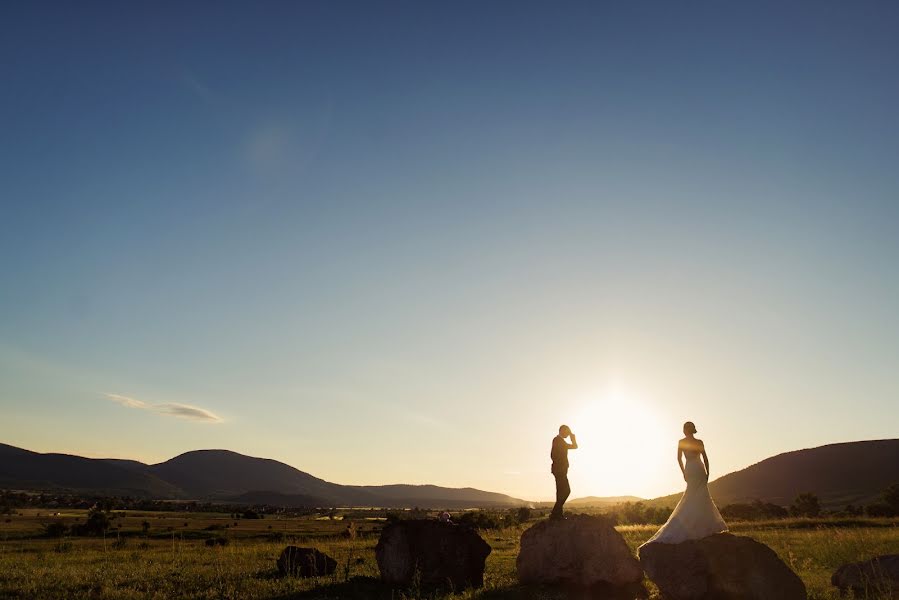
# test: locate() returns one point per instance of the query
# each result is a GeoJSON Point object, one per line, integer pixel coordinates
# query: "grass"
{"type": "Point", "coordinates": [173, 561]}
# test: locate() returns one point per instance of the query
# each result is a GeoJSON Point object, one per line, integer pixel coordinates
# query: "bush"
{"type": "Point", "coordinates": [482, 519]}
{"type": "Point", "coordinates": [216, 541]}
{"type": "Point", "coordinates": [879, 510]}
{"type": "Point", "coordinates": [891, 497]}
{"type": "Point", "coordinates": [56, 529]}
{"type": "Point", "coordinates": [98, 522]}
{"type": "Point", "coordinates": [805, 505]}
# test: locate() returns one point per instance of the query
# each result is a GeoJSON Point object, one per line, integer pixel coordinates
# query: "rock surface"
{"type": "Point", "coordinates": [305, 562]}
{"type": "Point", "coordinates": [721, 567]}
{"type": "Point", "coordinates": [432, 553]}
{"type": "Point", "coordinates": [880, 576]}
{"type": "Point", "coordinates": [582, 550]}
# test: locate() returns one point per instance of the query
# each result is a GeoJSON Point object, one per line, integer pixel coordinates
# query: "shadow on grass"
{"type": "Point", "coordinates": [371, 588]}
{"type": "Point", "coordinates": [354, 588]}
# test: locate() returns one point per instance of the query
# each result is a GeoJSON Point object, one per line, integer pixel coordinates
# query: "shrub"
{"type": "Point", "coordinates": [216, 541]}
{"type": "Point", "coordinates": [879, 510]}
{"type": "Point", "coordinates": [98, 523]}
{"type": "Point", "coordinates": [891, 497]}
{"type": "Point", "coordinates": [805, 505]}
{"type": "Point", "coordinates": [482, 519]}
{"type": "Point", "coordinates": [56, 529]}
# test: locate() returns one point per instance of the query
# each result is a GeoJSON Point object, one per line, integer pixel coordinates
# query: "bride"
{"type": "Point", "coordinates": [696, 515]}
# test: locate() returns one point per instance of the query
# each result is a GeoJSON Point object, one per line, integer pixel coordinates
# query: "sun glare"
{"type": "Point", "coordinates": [623, 447]}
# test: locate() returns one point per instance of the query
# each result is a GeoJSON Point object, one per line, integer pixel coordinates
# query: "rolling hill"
{"type": "Point", "coordinates": [23, 469]}
{"type": "Point", "coordinates": [839, 474]}
{"type": "Point", "coordinates": [220, 475]}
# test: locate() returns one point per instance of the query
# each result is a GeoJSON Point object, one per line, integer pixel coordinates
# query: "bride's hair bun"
{"type": "Point", "coordinates": [689, 427]}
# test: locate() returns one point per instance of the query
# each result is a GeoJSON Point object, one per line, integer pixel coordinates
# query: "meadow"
{"type": "Point", "coordinates": [165, 555]}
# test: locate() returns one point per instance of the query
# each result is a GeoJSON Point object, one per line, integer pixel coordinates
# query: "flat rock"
{"type": "Point", "coordinates": [305, 562]}
{"type": "Point", "coordinates": [582, 550]}
{"type": "Point", "coordinates": [432, 553]}
{"type": "Point", "coordinates": [720, 567]}
{"type": "Point", "coordinates": [878, 576]}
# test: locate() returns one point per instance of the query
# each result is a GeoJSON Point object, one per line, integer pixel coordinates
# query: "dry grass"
{"type": "Point", "coordinates": [171, 565]}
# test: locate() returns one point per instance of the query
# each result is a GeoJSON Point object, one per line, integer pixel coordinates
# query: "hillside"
{"type": "Point", "coordinates": [840, 474]}
{"type": "Point", "coordinates": [404, 495]}
{"type": "Point", "coordinates": [23, 469]}
{"type": "Point", "coordinates": [220, 475]}
{"type": "Point", "coordinates": [211, 474]}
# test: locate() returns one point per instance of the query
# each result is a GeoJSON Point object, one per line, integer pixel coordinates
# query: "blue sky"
{"type": "Point", "coordinates": [404, 241]}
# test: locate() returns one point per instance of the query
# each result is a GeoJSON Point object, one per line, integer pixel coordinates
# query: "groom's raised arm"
{"type": "Point", "coordinates": [573, 444]}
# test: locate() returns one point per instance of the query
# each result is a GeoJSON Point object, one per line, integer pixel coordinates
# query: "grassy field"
{"type": "Point", "coordinates": [171, 559]}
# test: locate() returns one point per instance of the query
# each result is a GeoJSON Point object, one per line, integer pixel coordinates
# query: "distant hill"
{"type": "Point", "coordinates": [839, 474]}
{"type": "Point", "coordinates": [403, 495]}
{"type": "Point", "coordinates": [221, 475]}
{"type": "Point", "coordinates": [23, 469]}
{"type": "Point", "coordinates": [224, 474]}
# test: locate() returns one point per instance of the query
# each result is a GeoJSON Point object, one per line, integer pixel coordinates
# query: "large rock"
{"type": "Point", "coordinates": [878, 576]}
{"type": "Point", "coordinates": [432, 553]}
{"type": "Point", "coordinates": [305, 562]}
{"type": "Point", "coordinates": [582, 550]}
{"type": "Point", "coordinates": [720, 567]}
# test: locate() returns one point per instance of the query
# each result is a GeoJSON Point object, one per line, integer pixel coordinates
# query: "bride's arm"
{"type": "Point", "coordinates": [705, 459]}
{"type": "Point", "coordinates": [680, 461]}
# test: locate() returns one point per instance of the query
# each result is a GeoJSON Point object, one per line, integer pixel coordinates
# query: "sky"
{"type": "Point", "coordinates": [404, 242]}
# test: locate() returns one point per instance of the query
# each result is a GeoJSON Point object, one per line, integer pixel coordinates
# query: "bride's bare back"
{"type": "Point", "coordinates": [691, 447]}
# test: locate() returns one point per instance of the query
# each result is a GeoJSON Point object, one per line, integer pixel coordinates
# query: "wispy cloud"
{"type": "Point", "coordinates": [174, 409]}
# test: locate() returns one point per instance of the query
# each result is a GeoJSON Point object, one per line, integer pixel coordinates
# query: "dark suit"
{"type": "Point", "coordinates": [559, 455]}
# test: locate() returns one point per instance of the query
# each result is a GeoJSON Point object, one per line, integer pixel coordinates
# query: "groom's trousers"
{"type": "Point", "coordinates": [563, 490]}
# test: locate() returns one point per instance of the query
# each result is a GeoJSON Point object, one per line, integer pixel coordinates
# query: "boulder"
{"type": "Point", "coordinates": [581, 550]}
{"type": "Point", "coordinates": [721, 567]}
{"type": "Point", "coordinates": [431, 553]}
{"type": "Point", "coordinates": [305, 562]}
{"type": "Point", "coordinates": [878, 576]}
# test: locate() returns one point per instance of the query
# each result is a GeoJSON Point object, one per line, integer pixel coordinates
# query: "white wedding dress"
{"type": "Point", "coordinates": [696, 515]}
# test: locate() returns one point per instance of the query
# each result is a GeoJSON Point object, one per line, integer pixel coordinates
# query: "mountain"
{"type": "Point", "coordinates": [220, 475]}
{"type": "Point", "coordinates": [407, 496]}
{"type": "Point", "coordinates": [23, 469]}
{"type": "Point", "coordinates": [839, 474]}
{"type": "Point", "coordinates": [225, 474]}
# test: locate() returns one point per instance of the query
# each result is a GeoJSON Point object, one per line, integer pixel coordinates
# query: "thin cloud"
{"type": "Point", "coordinates": [186, 411]}
{"type": "Point", "coordinates": [173, 409]}
{"type": "Point", "coordinates": [126, 401]}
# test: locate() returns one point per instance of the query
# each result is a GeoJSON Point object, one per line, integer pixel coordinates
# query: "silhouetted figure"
{"type": "Point", "coordinates": [696, 515]}
{"type": "Point", "coordinates": [559, 455]}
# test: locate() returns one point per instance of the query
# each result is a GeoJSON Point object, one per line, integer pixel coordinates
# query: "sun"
{"type": "Point", "coordinates": [623, 446]}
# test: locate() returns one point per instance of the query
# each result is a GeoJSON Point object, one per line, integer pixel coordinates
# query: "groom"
{"type": "Point", "coordinates": [559, 455]}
